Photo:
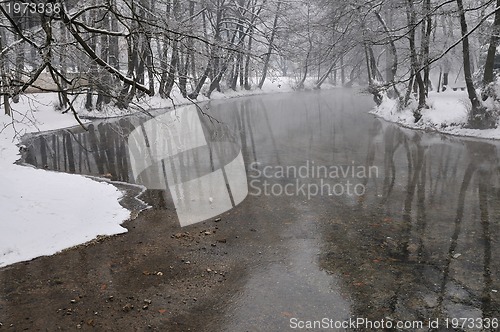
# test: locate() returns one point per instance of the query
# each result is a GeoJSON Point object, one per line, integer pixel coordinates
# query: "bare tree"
{"type": "Point", "coordinates": [271, 44]}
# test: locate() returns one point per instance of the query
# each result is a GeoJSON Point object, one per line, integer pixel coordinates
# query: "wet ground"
{"type": "Point", "coordinates": [377, 223]}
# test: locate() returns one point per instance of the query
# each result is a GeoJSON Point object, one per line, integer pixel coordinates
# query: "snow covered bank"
{"type": "Point", "coordinates": [45, 212]}
{"type": "Point", "coordinates": [448, 113]}
{"type": "Point", "coordinates": [272, 85]}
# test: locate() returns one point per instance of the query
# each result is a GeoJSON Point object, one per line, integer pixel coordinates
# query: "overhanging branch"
{"type": "Point", "coordinates": [91, 53]}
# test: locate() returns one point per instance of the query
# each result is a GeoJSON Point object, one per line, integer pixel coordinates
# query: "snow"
{"type": "Point", "coordinates": [44, 212]}
{"type": "Point", "coordinates": [274, 84]}
{"type": "Point", "coordinates": [447, 113]}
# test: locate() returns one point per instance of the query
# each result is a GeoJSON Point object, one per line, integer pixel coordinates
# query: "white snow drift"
{"type": "Point", "coordinates": [43, 212]}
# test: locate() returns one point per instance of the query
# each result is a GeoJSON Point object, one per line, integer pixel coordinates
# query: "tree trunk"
{"type": "Point", "coordinates": [89, 103]}
{"type": "Point", "coordinates": [415, 64]}
{"type": "Point", "coordinates": [113, 45]}
{"type": "Point", "coordinates": [236, 72]}
{"type": "Point", "coordinates": [250, 32]}
{"type": "Point", "coordinates": [323, 78]}
{"type": "Point", "coordinates": [214, 54]}
{"type": "Point", "coordinates": [306, 66]}
{"type": "Point", "coordinates": [217, 78]}
{"type": "Point", "coordinates": [342, 70]}
{"type": "Point", "coordinates": [164, 66]}
{"type": "Point", "coordinates": [393, 63]}
{"type": "Point", "coordinates": [247, 61]}
{"type": "Point", "coordinates": [239, 58]}
{"type": "Point", "coordinates": [149, 66]}
{"type": "Point", "coordinates": [466, 56]}
{"type": "Point", "coordinates": [104, 84]}
{"type": "Point", "coordinates": [141, 61]}
{"type": "Point", "coordinates": [445, 81]}
{"type": "Point", "coordinates": [189, 58]}
{"type": "Point", "coordinates": [409, 88]}
{"type": "Point", "coordinates": [426, 33]}
{"type": "Point", "coordinates": [368, 69]}
{"type": "Point", "coordinates": [479, 117]}
{"type": "Point", "coordinates": [125, 93]}
{"type": "Point", "coordinates": [182, 69]}
{"type": "Point", "coordinates": [190, 45]}
{"type": "Point", "coordinates": [62, 95]}
{"type": "Point", "coordinates": [4, 82]}
{"type": "Point", "coordinates": [439, 80]}
{"type": "Point", "coordinates": [203, 78]}
{"type": "Point", "coordinates": [270, 46]}
{"type": "Point", "coordinates": [490, 57]}
{"type": "Point", "coordinates": [171, 74]}
{"type": "Point", "coordinates": [373, 65]}
{"type": "Point", "coordinates": [19, 58]}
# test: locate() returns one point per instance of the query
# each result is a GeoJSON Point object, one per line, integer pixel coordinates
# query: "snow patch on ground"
{"type": "Point", "coordinates": [447, 113]}
{"type": "Point", "coordinates": [44, 212]}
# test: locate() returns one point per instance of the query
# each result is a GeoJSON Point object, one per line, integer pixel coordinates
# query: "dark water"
{"type": "Point", "coordinates": [389, 224]}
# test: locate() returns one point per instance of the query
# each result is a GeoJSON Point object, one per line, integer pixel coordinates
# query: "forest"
{"type": "Point", "coordinates": [114, 52]}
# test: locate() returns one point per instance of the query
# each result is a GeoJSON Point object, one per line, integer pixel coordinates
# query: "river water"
{"type": "Point", "coordinates": [374, 221]}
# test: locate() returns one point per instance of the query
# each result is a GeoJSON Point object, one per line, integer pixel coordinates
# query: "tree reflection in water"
{"type": "Point", "coordinates": [426, 250]}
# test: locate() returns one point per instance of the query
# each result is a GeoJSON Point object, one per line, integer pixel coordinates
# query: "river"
{"type": "Point", "coordinates": [340, 215]}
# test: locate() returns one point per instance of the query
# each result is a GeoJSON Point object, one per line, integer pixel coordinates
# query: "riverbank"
{"type": "Point", "coordinates": [44, 212]}
{"type": "Point", "coordinates": [447, 113]}
{"type": "Point", "coordinates": [144, 104]}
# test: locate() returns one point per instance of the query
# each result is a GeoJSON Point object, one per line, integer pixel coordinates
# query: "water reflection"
{"type": "Point", "coordinates": [424, 248]}
{"type": "Point", "coordinates": [101, 151]}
